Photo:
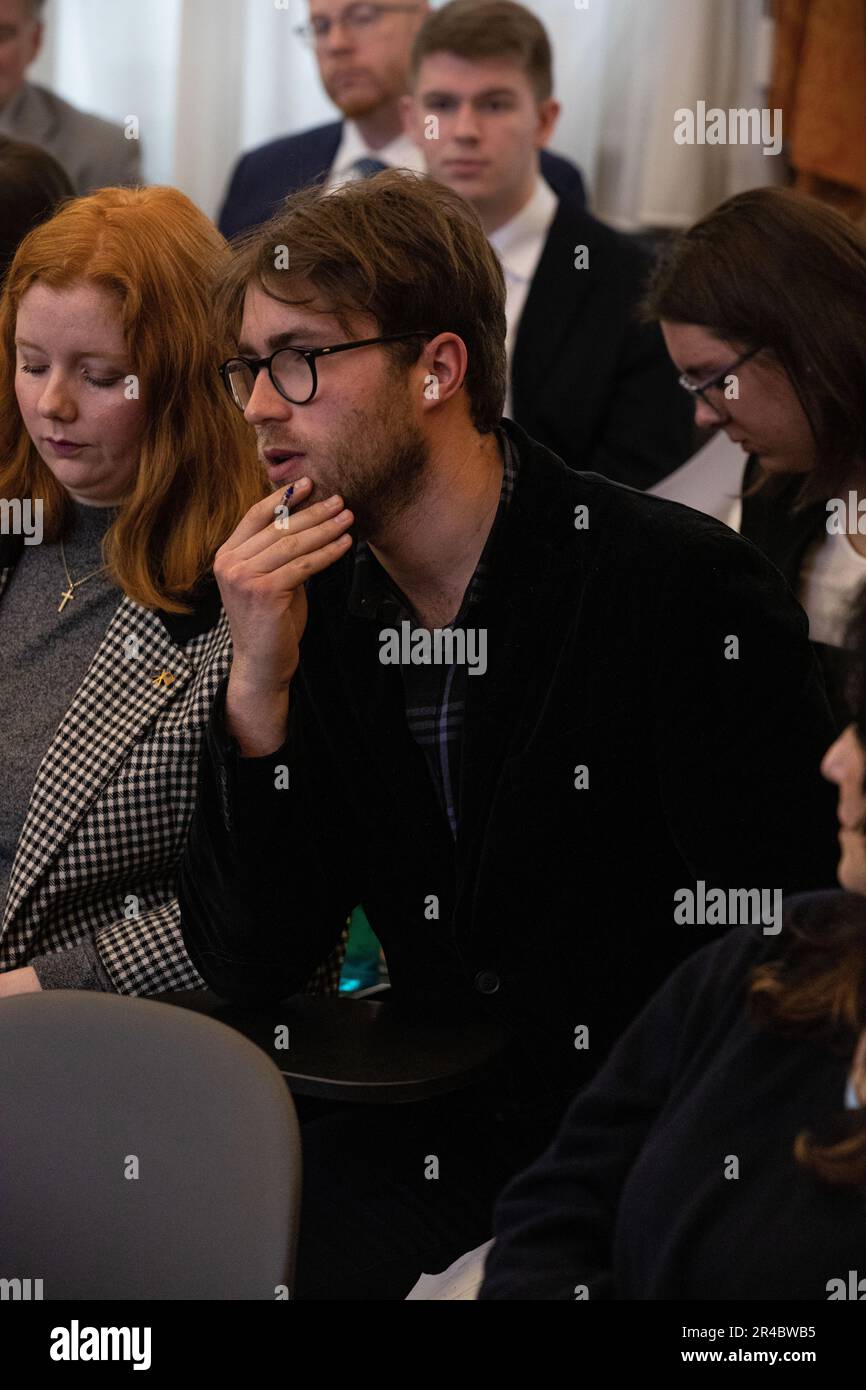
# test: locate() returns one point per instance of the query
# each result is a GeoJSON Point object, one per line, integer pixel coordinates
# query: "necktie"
{"type": "Point", "coordinates": [367, 166]}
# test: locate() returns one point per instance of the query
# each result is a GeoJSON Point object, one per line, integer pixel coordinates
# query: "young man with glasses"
{"type": "Point", "coordinates": [362, 51]}
{"type": "Point", "coordinates": [516, 836]}
{"type": "Point", "coordinates": [585, 377]}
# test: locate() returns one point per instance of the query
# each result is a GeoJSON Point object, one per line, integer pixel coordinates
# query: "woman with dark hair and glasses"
{"type": "Point", "coordinates": [762, 304]}
{"type": "Point", "coordinates": [720, 1153]}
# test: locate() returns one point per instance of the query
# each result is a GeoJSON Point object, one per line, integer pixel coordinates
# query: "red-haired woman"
{"type": "Point", "coordinates": [123, 467]}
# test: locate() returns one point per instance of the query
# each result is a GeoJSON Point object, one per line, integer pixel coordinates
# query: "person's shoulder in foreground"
{"type": "Point", "coordinates": [631, 528]}
{"type": "Point", "coordinates": [560, 1225]}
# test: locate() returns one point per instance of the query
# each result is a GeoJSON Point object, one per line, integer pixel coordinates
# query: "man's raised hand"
{"type": "Point", "coordinates": [261, 570]}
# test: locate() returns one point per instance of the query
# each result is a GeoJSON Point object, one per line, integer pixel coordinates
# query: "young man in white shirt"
{"type": "Point", "coordinates": [584, 377]}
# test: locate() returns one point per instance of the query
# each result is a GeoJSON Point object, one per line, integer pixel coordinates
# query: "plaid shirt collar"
{"type": "Point", "coordinates": [374, 595]}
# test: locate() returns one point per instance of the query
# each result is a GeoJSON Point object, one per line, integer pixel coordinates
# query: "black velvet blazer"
{"type": "Point", "coordinates": [554, 909]}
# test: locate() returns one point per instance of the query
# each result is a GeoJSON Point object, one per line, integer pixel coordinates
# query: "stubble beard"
{"type": "Point", "coordinates": [378, 467]}
{"type": "Point", "coordinates": [385, 89]}
{"type": "Point", "coordinates": [355, 108]}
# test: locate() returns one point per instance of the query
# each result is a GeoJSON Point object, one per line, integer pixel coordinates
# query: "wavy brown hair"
{"type": "Point", "coordinates": [32, 185]}
{"type": "Point", "coordinates": [774, 269]}
{"type": "Point", "coordinates": [816, 990]}
{"type": "Point", "coordinates": [479, 29]}
{"type": "Point", "coordinates": [398, 247]}
{"type": "Point", "coordinates": [198, 471]}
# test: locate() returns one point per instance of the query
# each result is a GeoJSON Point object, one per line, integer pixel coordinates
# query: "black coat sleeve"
{"type": "Point", "coordinates": [741, 722]}
{"type": "Point", "coordinates": [270, 872]}
{"type": "Point", "coordinates": [554, 1223]}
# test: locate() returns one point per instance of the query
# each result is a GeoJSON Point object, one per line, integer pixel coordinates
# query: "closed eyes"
{"type": "Point", "coordinates": [92, 380]}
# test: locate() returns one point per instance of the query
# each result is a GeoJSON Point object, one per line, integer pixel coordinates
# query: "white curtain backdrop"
{"type": "Point", "coordinates": [208, 79]}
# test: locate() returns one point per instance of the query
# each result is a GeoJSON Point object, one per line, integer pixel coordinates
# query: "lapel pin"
{"type": "Point", "coordinates": [164, 678]}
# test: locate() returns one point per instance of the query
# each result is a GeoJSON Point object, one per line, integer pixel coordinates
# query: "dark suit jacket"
{"type": "Point", "coordinates": [588, 380]}
{"type": "Point", "coordinates": [262, 178]}
{"type": "Point", "coordinates": [605, 648]}
{"type": "Point", "coordinates": [768, 519]}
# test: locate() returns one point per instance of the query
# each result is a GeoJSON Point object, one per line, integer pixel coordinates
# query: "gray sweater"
{"type": "Point", "coordinates": [44, 656]}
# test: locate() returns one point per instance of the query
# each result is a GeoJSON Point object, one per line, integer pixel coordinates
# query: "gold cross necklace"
{"type": "Point", "coordinates": [73, 583]}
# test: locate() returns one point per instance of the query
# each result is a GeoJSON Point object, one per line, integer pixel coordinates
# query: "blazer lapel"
{"type": "Point", "coordinates": [555, 297]}
{"type": "Point", "coordinates": [136, 671]}
{"type": "Point", "coordinates": [520, 615]}
{"type": "Point", "coordinates": [525, 586]}
{"type": "Point", "coordinates": [30, 116]}
{"type": "Point", "coordinates": [138, 668]}
{"type": "Point", "coordinates": [405, 786]}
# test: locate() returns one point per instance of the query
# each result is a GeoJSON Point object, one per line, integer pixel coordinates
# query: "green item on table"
{"type": "Point", "coordinates": [361, 965]}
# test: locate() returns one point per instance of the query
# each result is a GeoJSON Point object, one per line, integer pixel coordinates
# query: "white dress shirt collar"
{"type": "Point", "coordinates": [520, 240]}
{"type": "Point", "coordinates": [401, 153]}
{"type": "Point", "coordinates": [519, 243]}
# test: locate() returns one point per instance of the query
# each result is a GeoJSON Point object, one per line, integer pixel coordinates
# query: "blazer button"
{"type": "Point", "coordinates": [486, 982]}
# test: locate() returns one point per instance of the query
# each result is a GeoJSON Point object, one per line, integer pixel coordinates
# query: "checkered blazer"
{"type": "Point", "coordinates": [113, 798]}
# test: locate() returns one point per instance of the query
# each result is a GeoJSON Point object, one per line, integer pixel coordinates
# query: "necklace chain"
{"type": "Point", "coordinates": [73, 583]}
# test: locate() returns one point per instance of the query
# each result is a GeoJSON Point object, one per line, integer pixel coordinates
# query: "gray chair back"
{"type": "Point", "coordinates": [146, 1152]}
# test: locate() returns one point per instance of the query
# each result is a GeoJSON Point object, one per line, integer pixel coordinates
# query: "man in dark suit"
{"type": "Point", "coordinates": [586, 378]}
{"type": "Point", "coordinates": [514, 718]}
{"type": "Point", "coordinates": [362, 51]}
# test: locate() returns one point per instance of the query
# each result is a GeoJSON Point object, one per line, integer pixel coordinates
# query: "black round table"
{"type": "Point", "coordinates": [348, 1049]}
